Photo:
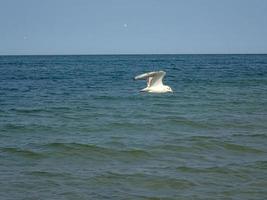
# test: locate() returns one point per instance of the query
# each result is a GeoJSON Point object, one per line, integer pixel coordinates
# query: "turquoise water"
{"type": "Point", "coordinates": [76, 127]}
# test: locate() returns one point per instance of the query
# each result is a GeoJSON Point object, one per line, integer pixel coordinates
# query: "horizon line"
{"type": "Point", "coordinates": [129, 54]}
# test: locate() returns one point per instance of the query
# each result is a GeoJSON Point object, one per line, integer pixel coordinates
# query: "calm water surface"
{"type": "Point", "coordinates": [76, 127]}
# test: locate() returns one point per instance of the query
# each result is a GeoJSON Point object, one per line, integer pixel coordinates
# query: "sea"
{"type": "Point", "coordinates": [78, 127]}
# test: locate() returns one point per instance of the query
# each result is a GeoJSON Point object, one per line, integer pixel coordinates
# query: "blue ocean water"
{"type": "Point", "coordinates": [77, 127]}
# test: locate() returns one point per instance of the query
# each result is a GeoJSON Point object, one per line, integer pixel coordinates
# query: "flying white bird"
{"type": "Point", "coordinates": [154, 82]}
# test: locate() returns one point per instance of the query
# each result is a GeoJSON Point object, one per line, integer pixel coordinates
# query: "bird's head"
{"type": "Point", "coordinates": [168, 89]}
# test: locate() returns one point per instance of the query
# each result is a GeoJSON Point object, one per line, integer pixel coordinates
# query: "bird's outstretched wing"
{"type": "Point", "coordinates": [153, 78]}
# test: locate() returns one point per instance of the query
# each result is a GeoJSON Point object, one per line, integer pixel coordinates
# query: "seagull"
{"type": "Point", "coordinates": [154, 82]}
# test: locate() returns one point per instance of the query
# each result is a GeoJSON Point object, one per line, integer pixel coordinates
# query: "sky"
{"type": "Point", "coordinates": [34, 27]}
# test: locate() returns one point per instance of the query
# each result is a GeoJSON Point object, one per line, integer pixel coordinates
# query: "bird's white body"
{"type": "Point", "coordinates": [154, 82]}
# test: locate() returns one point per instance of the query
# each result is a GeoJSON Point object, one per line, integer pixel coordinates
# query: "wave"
{"type": "Point", "coordinates": [107, 97]}
{"type": "Point", "coordinates": [154, 182]}
{"type": "Point", "coordinates": [191, 123]}
{"type": "Point", "coordinates": [128, 125]}
{"type": "Point", "coordinates": [241, 148]}
{"type": "Point", "coordinates": [209, 142]}
{"type": "Point", "coordinates": [22, 128]}
{"type": "Point", "coordinates": [40, 110]}
{"type": "Point", "coordinates": [48, 174]}
{"type": "Point", "coordinates": [256, 135]}
{"type": "Point", "coordinates": [220, 170]}
{"type": "Point", "coordinates": [170, 147]}
{"type": "Point", "coordinates": [94, 150]}
{"type": "Point", "coordinates": [77, 149]}
{"type": "Point", "coordinates": [28, 111]}
{"type": "Point", "coordinates": [260, 165]}
{"type": "Point", "coordinates": [26, 153]}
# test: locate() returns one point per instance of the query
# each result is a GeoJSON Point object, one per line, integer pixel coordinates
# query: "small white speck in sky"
{"type": "Point", "coordinates": [125, 25]}
{"type": "Point", "coordinates": [25, 37]}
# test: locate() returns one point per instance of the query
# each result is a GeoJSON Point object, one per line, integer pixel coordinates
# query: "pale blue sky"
{"type": "Point", "coordinates": [132, 27]}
